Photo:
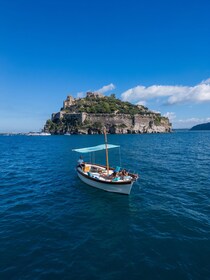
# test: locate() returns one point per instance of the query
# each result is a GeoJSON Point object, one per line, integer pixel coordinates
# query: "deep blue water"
{"type": "Point", "coordinates": [53, 226]}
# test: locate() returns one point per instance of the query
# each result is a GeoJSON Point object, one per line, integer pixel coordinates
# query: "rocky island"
{"type": "Point", "coordinates": [90, 114]}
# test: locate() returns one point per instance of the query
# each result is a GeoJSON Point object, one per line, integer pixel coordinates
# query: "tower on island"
{"type": "Point", "coordinates": [68, 102]}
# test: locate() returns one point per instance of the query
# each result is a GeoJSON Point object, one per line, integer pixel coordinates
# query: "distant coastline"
{"type": "Point", "coordinates": [203, 126]}
{"type": "Point", "coordinates": [175, 130]}
{"type": "Point", "coordinates": [24, 133]}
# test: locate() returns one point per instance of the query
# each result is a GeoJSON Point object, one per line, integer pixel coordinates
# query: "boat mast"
{"type": "Point", "coordinates": [107, 155]}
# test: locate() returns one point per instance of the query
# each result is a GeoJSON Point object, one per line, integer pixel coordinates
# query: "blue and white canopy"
{"type": "Point", "coordinates": [95, 148]}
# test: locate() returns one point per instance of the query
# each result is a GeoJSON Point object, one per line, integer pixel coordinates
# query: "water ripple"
{"type": "Point", "coordinates": [55, 227]}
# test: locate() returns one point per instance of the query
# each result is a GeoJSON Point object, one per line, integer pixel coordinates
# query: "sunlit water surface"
{"type": "Point", "coordinates": [53, 226]}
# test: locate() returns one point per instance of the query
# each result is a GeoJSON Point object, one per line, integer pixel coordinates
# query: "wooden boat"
{"type": "Point", "coordinates": [109, 179]}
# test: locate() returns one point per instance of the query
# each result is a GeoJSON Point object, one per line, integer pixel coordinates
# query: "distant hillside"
{"type": "Point", "coordinates": [203, 126]}
{"type": "Point", "coordinates": [90, 114]}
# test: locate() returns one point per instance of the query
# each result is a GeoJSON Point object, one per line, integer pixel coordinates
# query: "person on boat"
{"type": "Point", "coordinates": [124, 172]}
{"type": "Point", "coordinates": [113, 175]}
{"type": "Point", "coordinates": [80, 162]}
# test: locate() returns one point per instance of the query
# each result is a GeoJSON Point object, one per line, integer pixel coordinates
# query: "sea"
{"type": "Point", "coordinates": [53, 226]}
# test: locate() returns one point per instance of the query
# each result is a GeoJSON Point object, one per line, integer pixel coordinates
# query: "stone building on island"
{"type": "Point", "coordinates": [68, 102]}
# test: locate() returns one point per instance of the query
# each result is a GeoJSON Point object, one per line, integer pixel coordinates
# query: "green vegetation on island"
{"type": "Point", "coordinates": [107, 105]}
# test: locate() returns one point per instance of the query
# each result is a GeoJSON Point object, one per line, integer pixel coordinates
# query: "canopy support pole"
{"type": "Point", "coordinates": [107, 155]}
{"type": "Point", "coordinates": [120, 157]}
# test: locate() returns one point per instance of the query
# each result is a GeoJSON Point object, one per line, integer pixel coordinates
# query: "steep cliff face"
{"type": "Point", "coordinates": [91, 114]}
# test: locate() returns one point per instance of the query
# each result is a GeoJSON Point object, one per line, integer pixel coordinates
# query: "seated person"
{"type": "Point", "coordinates": [100, 170]}
{"type": "Point", "coordinates": [113, 175]}
{"type": "Point", "coordinates": [123, 174]}
{"type": "Point", "coordinates": [80, 162]}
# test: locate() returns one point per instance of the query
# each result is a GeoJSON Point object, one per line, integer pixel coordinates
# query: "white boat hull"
{"type": "Point", "coordinates": [123, 188]}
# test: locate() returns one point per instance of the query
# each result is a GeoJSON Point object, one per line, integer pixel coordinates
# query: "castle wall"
{"type": "Point", "coordinates": [74, 117]}
{"type": "Point", "coordinates": [117, 123]}
{"type": "Point", "coordinates": [56, 116]}
{"type": "Point", "coordinates": [110, 119]}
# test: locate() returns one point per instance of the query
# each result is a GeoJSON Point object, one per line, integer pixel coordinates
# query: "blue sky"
{"type": "Point", "coordinates": [155, 53]}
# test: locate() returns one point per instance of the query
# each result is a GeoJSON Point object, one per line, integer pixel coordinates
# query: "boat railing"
{"type": "Point", "coordinates": [101, 169]}
{"type": "Point", "coordinates": [133, 174]}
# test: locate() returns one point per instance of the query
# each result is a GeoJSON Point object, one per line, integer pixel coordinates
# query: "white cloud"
{"type": "Point", "coordinates": [142, 102]}
{"type": "Point", "coordinates": [106, 88]}
{"type": "Point", "coordinates": [80, 94]}
{"type": "Point", "coordinates": [206, 81]}
{"type": "Point", "coordinates": [190, 122]}
{"type": "Point", "coordinates": [172, 94]}
{"type": "Point", "coordinates": [155, 111]}
{"type": "Point", "coordinates": [101, 90]}
{"type": "Point", "coordinates": [170, 115]}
